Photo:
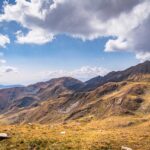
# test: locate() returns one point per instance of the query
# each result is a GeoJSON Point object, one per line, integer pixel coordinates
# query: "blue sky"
{"type": "Point", "coordinates": [66, 53]}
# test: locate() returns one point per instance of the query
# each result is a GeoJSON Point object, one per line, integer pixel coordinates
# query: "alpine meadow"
{"type": "Point", "coordinates": [74, 75]}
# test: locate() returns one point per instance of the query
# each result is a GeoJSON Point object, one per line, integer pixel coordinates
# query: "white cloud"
{"type": "Point", "coordinates": [9, 75]}
{"type": "Point", "coordinates": [7, 69]}
{"type": "Point", "coordinates": [116, 44]}
{"type": "Point", "coordinates": [12, 75]}
{"type": "Point", "coordinates": [36, 37]}
{"type": "Point", "coordinates": [142, 56]}
{"type": "Point", "coordinates": [2, 62]}
{"type": "Point", "coordinates": [126, 20]}
{"type": "Point", "coordinates": [4, 40]}
{"type": "Point", "coordinates": [84, 73]}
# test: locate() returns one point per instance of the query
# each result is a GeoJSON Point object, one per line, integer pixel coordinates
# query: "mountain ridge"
{"type": "Point", "coordinates": [66, 98]}
{"type": "Point", "coordinates": [116, 76]}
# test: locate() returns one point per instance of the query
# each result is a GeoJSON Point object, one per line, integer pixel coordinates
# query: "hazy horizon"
{"type": "Point", "coordinates": [80, 39]}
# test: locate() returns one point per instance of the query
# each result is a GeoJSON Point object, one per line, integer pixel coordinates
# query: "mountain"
{"type": "Point", "coordinates": [117, 76]}
{"type": "Point", "coordinates": [9, 86]}
{"type": "Point", "coordinates": [31, 95]}
{"type": "Point", "coordinates": [63, 99]}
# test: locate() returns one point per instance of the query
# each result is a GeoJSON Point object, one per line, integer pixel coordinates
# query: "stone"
{"type": "Point", "coordinates": [4, 136]}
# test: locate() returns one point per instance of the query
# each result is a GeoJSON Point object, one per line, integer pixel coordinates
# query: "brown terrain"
{"type": "Point", "coordinates": [104, 113]}
{"type": "Point", "coordinates": [60, 100]}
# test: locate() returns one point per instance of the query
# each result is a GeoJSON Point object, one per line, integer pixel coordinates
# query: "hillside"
{"type": "Point", "coordinates": [22, 97]}
{"type": "Point", "coordinates": [63, 114]}
{"type": "Point", "coordinates": [117, 76]}
{"type": "Point", "coordinates": [63, 99]}
{"type": "Point", "coordinates": [108, 134]}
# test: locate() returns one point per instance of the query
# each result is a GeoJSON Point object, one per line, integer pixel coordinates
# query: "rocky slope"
{"type": "Point", "coordinates": [21, 97]}
{"type": "Point", "coordinates": [59, 100]}
{"type": "Point", "coordinates": [117, 76]}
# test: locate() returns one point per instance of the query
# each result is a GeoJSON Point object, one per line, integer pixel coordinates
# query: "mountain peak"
{"type": "Point", "coordinates": [146, 63]}
{"type": "Point", "coordinates": [117, 76]}
{"type": "Point", "coordinates": [142, 68]}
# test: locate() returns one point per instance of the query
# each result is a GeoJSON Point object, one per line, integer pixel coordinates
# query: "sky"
{"type": "Point", "coordinates": [44, 39]}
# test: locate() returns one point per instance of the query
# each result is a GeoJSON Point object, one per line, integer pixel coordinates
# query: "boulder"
{"type": "Point", "coordinates": [4, 136]}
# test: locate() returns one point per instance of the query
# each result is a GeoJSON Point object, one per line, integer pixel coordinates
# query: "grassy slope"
{"type": "Point", "coordinates": [110, 133]}
{"type": "Point", "coordinates": [105, 101]}
{"type": "Point", "coordinates": [87, 133]}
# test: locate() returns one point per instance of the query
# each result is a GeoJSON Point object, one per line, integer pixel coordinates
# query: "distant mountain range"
{"type": "Point", "coordinates": [9, 86]}
{"type": "Point", "coordinates": [63, 99]}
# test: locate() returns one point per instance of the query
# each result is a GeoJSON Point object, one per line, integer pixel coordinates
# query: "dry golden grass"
{"type": "Point", "coordinates": [87, 133]}
{"type": "Point", "coordinates": [107, 134]}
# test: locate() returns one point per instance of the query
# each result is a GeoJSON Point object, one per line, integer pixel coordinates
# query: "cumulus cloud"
{"type": "Point", "coordinates": [34, 37]}
{"type": "Point", "coordinates": [83, 73]}
{"type": "Point", "coordinates": [116, 44]}
{"type": "Point", "coordinates": [142, 56]}
{"type": "Point", "coordinates": [4, 40]}
{"type": "Point", "coordinates": [127, 21]}
{"type": "Point", "coordinates": [9, 75]}
{"type": "Point", "coordinates": [7, 69]}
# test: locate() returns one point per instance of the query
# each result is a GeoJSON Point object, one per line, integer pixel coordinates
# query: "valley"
{"type": "Point", "coordinates": [104, 113]}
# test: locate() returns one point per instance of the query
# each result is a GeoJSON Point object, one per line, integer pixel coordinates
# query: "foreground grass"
{"type": "Point", "coordinates": [107, 134]}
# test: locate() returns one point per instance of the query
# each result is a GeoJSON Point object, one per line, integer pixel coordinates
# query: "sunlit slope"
{"type": "Point", "coordinates": [64, 99]}
{"type": "Point", "coordinates": [107, 134]}
{"type": "Point", "coordinates": [111, 99]}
